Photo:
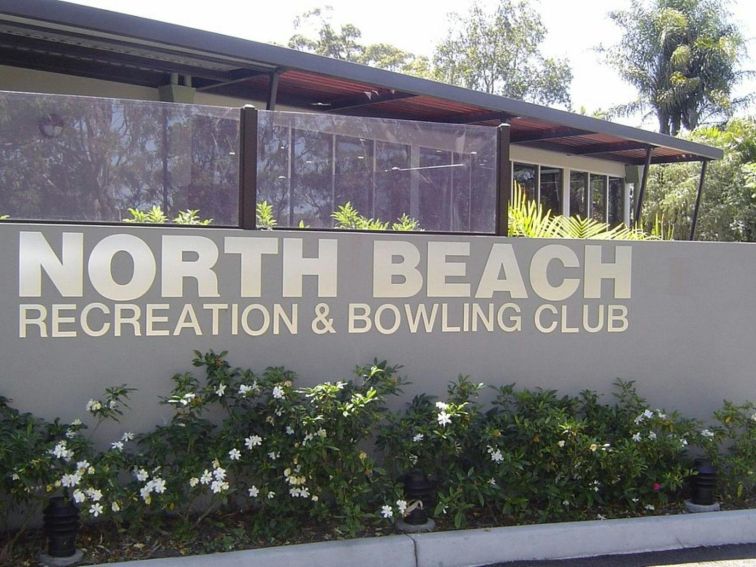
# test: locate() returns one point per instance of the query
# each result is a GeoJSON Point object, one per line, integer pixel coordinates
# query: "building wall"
{"type": "Point", "coordinates": [677, 316]}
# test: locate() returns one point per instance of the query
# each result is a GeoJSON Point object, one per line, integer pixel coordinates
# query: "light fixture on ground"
{"type": "Point", "coordinates": [61, 526]}
{"type": "Point", "coordinates": [419, 492]}
{"type": "Point", "coordinates": [703, 486]}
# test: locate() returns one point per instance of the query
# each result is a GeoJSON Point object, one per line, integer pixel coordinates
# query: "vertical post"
{"type": "Point", "coordinates": [704, 163]}
{"type": "Point", "coordinates": [503, 179]}
{"type": "Point", "coordinates": [646, 167]}
{"type": "Point", "coordinates": [273, 90]}
{"type": "Point", "coordinates": [248, 168]}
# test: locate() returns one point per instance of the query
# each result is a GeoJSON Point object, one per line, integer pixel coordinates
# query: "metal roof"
{"type": "Point", "coordinates": [67, 38]}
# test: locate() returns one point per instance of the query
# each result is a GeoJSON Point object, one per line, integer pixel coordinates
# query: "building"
{"type": "Point", "coordinates": [451, 174]}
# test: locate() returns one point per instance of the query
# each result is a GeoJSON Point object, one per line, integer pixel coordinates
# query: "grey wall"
{"type": "Point", "coordinates": [689, 341]}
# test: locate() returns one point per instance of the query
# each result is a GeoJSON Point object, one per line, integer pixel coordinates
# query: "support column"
{"type": "Point", "coordinates": [503, 179]}
{"type": "Point", "coordinates": [694, 221]}
{"type": "Point", "coordinates": [639, 204]}
{"type": "Point", "coordinates": [273, 90]}
{"type": "Point", "coordinates": [248, 168]}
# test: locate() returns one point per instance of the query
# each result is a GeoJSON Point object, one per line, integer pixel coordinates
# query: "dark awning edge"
{"type": "Point", "coordinates": [181, 38]}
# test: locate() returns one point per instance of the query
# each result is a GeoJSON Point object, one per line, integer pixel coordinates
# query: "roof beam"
{"type": "Point", "coordinates": [549, 134]}
{"type": "Point", "coordinates": [473, 117]}
{"type": "Point", "coordinates": [362, 100]}
{"type": "Point", "coordinates": [592, 149]}
{"type": "Point", "coordinates": [245, 77]}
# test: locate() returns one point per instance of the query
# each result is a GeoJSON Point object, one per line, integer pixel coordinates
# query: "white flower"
{"type": "Point", "coordinates": [194, 481]}
{"type": "Point", "coordinates": [61, 451]}
{"type": "Point", "coordinates": [81, 465]}
{"type": "Point", "coordinates": [76, 422]}
{"type": "Point", "coordinates": [402, 507]}
{"type": "Point", "coordinates": [220, 390]}
{"type": "Point", "coordinates": [278, 392]}
{"type": "Point", "coordinates": [442, 406]}
{"type": "Point", "coordinates": [600, 517]}
{"type": "Point", "coordinates": [15, 476]}
{"type": "Point", "coordinates": [289, 430]}
{"type": "Point", "coordinates": [115, 506]}
{"type": "Point", "coordinates": [126, 437]}
{"type": "Point", "coordinates": [492, 482]}
{"type": "Point", "coordinates": [387, 512]}
{"type": "Point", "coordinates": [413, 459]}
{"type": "Point", "coordinates": [96, 510]}
{"type": "Point", "coordinates": [649, 507]}
{"type": "Point", "coordinates": [419, 437]}
{"type": "Point", "coordinates": [206, 477]}
{"type": "Point", "coordinates": [117, 445]}
{"type": "Point", "coordinates": [322, 433]}
{"type": "Point", "coordinates": [253, 492]}
{"type": "Point", "coordinates": [234, 454]}
{"type": "Point", "coordinates": [707, 433]}
{"type": "Point", "coordinates": [271, 495]}
{"type": "Point", "coordinates": [219, 473]}
{"type": "Point", "coordinates": [273, 455]}
{"type": "Point", "coordinates": [565, 502]}
{"type": "Point", "coordinates": [94, 494]}
{"type": "Point", "coordinates": [683, 442]}
{"type": "Point", "coordinates": [443, 419]}
{"type": "Point", "coordinates": [661, 414]}
{"type": "Point", "coordinates": [158, 485]}
{"type": "Point", "coordinates": [753, 417]}
{"type": "Point", "coordinates": [496, 456]}
{"type": "Point", "coordinates": [79, 496]}
{"type": "Point", "coordinates": [70, 480]}
{"type": "Point", "coordinates": [635, 500]}
{"type": "Point", "coordinates": [314, 498]}
{"type": "Point", "coordinates": [244, 389]}
{"type": "Point", "coordinates": [70, 433]}
{"type": "Point", "coordinates": [218, 486]}
{"type": "Point", "coordinates": [93, 406]}
{"type": "Point", "coordinates": [145, 492]}
{"type": "Point", "coordinates": [637, 437]}
{"type": "Point", "coordinates": [141, 475]}
{"type": "Point", "coordinates": [651, 435]}
{"type": "Point", "coordinates": [560, 443]}
{"type": "Point", "coordinates": [252, 441]}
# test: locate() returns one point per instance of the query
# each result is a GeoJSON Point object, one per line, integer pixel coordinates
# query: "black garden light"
{"type": "Point", "coordinates": [61, 527]}
{"type": "Point", "coordinates": [704, 483]}
{"type": "Point", "coordinates": [419, 493]}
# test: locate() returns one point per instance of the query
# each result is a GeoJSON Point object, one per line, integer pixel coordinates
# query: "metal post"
{"type": "Point", "coordinates": [503, 179]}
{"type": "Point", "coordinates": [248, 168]}
{"type": "Point", "coordinates": [704, 163]}
{"type": "Point", "coordinates": [646, 167]}
{"type": "Point", "coordinates": [273, 90]}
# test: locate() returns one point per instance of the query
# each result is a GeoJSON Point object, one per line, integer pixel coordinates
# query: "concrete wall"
{"type": "Point", "coordinates": [678, 317]}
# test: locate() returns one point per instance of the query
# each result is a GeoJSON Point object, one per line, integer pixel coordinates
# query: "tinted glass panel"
{"type": "Point", "coordinates": [443, 175]}
{"type": "Point", "coordinates": [91, 159]}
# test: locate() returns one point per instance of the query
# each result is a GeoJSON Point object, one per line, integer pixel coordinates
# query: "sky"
{"type": "Point", "coordinates": [575, 28]}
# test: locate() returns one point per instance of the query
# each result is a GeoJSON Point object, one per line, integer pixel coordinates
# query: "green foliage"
{"type": "Point", "coordinates": [682, 56]}
{"type": "Point", "coordinates": [728, 204]}
{"type": "Point", "coordinates": [345, 43]}
{"type": "Point", "coordinates": [348, 218]}
{"type": "Point", "coordinates": [529, 219]}
{"type": "Point", "coordinates": [499, 53]}
{"type": "Point", "coordinates": [155, 215]}
{"type": "Point", "coordinates": [266, 220]}
{"type": "Point", "coordinates": [4, 217]}
{"type": "Point", "coordinates": [240, 440]}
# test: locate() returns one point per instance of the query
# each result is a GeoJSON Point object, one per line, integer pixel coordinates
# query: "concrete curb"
{"type": "Point", "coordinates": [480, 547]}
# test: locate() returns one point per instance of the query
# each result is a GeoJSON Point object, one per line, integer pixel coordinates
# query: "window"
{"type": "Point", "coordinates": [526, 176]}
{"type": "Point", "coordinates": [598, 198]}
{"type": "Point", "coordinates": [551, 189]}
{"type": "Point", "coordinates": [616, 201]}
{"type": "Point", "coordinates": [578, 190]}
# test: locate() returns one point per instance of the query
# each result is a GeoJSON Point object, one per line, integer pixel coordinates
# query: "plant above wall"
{"type": "Point", "coordinates": [349, 218]}
{"type": "Point", "coordinates": [155, 215]}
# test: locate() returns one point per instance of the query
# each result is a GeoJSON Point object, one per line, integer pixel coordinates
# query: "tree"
{"type": "Point", "coordinates": [682, 56]}
{"type": "Point", "coordinates": [728, 205]}
{"type": "Point", "coordinates": [499, 53]}
{"type": "Point", "coordinates": [345, 43]}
